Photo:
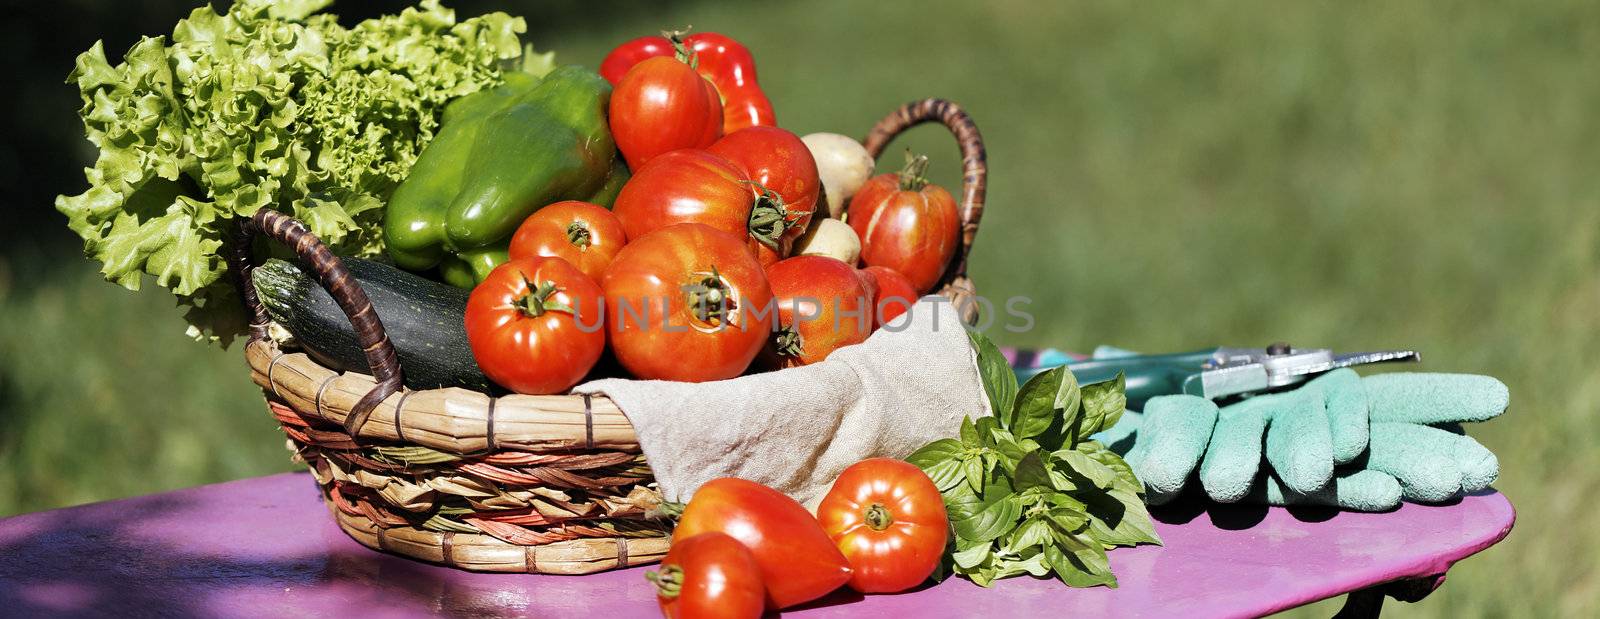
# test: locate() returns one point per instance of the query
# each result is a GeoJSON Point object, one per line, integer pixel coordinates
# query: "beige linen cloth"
{"type": "Point", "coordinates": [795, 430]}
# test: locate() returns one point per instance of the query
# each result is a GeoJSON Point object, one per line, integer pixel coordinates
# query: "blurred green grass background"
{"type": "Point", "coordinates": [1355, 175]}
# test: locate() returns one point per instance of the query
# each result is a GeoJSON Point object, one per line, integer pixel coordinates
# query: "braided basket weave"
{"type": "Point", "coordinates": [516, 483]}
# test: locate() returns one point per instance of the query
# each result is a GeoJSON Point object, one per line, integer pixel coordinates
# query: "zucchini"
{"type": "Point", "coordinates": [425, 321]}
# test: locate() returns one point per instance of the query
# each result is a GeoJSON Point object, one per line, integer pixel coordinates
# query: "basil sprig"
{"type": "Point", "coordinates": [1026, 490]}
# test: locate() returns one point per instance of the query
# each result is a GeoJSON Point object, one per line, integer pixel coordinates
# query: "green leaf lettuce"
{"type": "Point", "coordinates": [269, 104]}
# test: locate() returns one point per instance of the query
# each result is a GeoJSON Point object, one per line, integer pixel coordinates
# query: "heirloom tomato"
{"type": "Point", "coordinates": [785, 175]}
{"type": "Point", "coordinates": [719, 58]}
{"type": "Point", "coordinates": [535, 325]}
{"type": "Point", "coordinates": [907, 224]}
{"type": "Point", "coordinates": [686, 186]}
{"type": "Point", "coordinates": [586, 235]}
{"type": "Point", "coordinates": [823, 305]}
{"type": "Point", "coordinates": [892, 294]}
{"type": "Point", "coordinates": [662, 105]}
{"type": "Point", "coordinates": [709, 575]}
{"type": "Point", "coordinates": [799, 563]}
{"type": "Point", "coordinates": [889, 520]}
{"type": "Point", "coordinates": [687, 302]}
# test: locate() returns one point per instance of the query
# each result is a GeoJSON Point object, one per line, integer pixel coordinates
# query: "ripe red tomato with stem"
{"type": "Point", "coordinates": [686, 186]}
{"type": "Point", "coordinates": [584, 234]}
{"type": "Point", "coordinates": [822, 305]}
{"type": "Point", "coordinates": [907, 224]}
{"type": "Point", "coordinates": [724, 61]}
{"type": "Point", "coordinates": [892, 294]}
{"type": "Point", "coordinates": [663, 105]}
{"type": "Point", "coordinates": [889, 520]}
{"type": "Point", "coordinates": [536, 325]}
{"type": "Point", "coordinates": [798, 561]}
{"type": "Point", "coordinates": [786, 175]}
{"type": "Point", "coordinates": [687, 303]}
{"type": "Point", "coordinates": [709, 575]}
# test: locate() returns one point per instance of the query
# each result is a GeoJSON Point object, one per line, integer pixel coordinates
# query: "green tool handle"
{"type": "Point", "coordinates": [1147, 376]}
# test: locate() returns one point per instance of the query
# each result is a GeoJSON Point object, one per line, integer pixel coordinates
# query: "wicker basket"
{"type": "Point", "coordinates": [517, 483]}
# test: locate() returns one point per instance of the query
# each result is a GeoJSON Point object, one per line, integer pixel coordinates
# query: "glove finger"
{"type": "Point", "coordinates": [1234, 456]}
{"type": "Point", "coordinates": [1299, 444]}
{"type": "Point", "coordinates": [1479, 466]}
{"type": "Point", "coordinates": [1121, 436]}
{"type": "Point", "coordinates": [1171, 439]}
{"type": "Point", "coordinates": [1345, 401]}
{"type": "Point", "coordinates": [1434, 398]}
{"type": "Point", "coordinates": [1420, 457]}
{"type": "Point", "coordinates": [1358, 490]}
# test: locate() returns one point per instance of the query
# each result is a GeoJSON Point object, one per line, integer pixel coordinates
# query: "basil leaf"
{"type": "Point", "coordinates": [1100, 475]}
{"type": "Point", "coordinates": [1103, 404]}
{"type": "Point", "coordinates": [996, 519]}
{"type": "Point", "coordinates": [941, 460]}
{"type": "Point", "coordinates": [985, 427]}
{"type": "Point", "coordinates": [961, 503]}
{"type": "Point", "coordinates": [1031, 472]}
{"type": "Point", "coordinates": [1068, 520]}
{"type": "Point", "coordinates": [974, 556]}
{"type": "Point", "coordinates": [999, 380]}
{"type": "Point", "coordinates": [936, 452]}
{"type": "Point", "coordinates": [1125, 478]}
{"type": "Point", "coordinates": [1075, 571]}
{"type": "Point", "coordinates": [969, 433]}
{"type": "Point", "coordinates": [1035, 407]}
{"type": "Point", "coordinates": [1009, 449]}
{"type": "Point", "coordinates": [973, 469]}
{"type": "Point", "coordinates": [1035, 531]}
{"type": "Point", "coordinates": [1120, 518]}
{"type": "Point", "coordinates": [1034, 565]}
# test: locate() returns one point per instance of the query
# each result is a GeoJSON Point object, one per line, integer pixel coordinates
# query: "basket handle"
{"type": "Point", "coordinates": [974, 165]}
{"type": "Point", "coordinates": [334, 278]}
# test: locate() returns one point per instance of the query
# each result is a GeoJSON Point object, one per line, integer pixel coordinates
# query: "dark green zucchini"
{"type": "Point", "coordinates": [424, 320]}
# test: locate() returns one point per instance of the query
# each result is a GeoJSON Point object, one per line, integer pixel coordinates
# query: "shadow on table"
{"type": "Point", "coordinates": [99, 560]}
{"type": "Point", "coordinates": [1232, 517]}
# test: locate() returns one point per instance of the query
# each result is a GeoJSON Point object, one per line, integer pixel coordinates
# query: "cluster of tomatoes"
{"type": "Point", "coordinates": [689, 277]}
{"type": "Point", "coordinates": [741, 547]}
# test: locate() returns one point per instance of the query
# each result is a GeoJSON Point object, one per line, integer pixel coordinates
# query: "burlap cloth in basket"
{"type": "Point", "coordinates": [910, 383]}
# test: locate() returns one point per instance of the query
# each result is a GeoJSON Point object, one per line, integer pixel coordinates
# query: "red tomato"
{"type": "Point", "coordinates": [586, 235]}
{"type": "Point", "coordinates": [662, 105]}
{"type": "Point", "coordinates": [822, 306]}
{"type": "Point", "coordinates": [907, 224]}
{"type": "Point", "coordinates": [798, 561]}
{"type": "Point", "coordinates": [709, 575]}
{"type": "Point", "coordinates": [889, 520]}
{"type": "Point", "coordinates": [892, 294]}
{"type": "Point", "coordinates": [686, 186]}
{"type": "Point", "coordinates": [688, 303]}
{"type": "Point", "coordinates": [534, 325]}
{"type": "Point", "coordinates": [776, 160]}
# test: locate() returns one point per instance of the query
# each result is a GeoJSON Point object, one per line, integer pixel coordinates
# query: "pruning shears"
{"type": "Point", "coordinates": [1219, 372]}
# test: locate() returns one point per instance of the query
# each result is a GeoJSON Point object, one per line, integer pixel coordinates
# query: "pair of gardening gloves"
{"type": "Point", "coordinates": [1341, 440]}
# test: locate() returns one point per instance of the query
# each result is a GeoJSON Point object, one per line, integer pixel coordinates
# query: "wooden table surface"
{"type": "Point", "coordinates": [266, 547]}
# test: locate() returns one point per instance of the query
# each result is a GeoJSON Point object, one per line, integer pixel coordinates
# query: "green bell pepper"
{"type": "Point", "coordinates": [501, 155]}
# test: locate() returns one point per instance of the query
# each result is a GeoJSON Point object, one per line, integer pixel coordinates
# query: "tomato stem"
{"type": "Point", "coordinates": [668, 580]}
{"type": "Point", "coordinates": [540, 299]}
{"type": "Point", "coordinates": [878, 517]}
{"type": "Point", "coordinates": [578, 234]}
{"type": "Point", "coordinates": [679, 50]}
{"type": "Point", "coordinates": [786, 341]}
{"type": "Point", "coordinates": [709, 299]}
{"type": "Point", "coordinates": [912, 177]}
{"type": "Point", "coordinates": [769, 219]}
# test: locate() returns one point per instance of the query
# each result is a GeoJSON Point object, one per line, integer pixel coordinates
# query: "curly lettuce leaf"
{"type": "Point", "coordinates": [269, 104]}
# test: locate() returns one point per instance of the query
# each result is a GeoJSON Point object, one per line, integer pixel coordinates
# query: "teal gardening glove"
{"type": "Point", "coordinates": [1339, 440]}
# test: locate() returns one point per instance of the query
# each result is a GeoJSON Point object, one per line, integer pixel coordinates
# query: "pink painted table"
{"type": "Point", "coordinates": [266, 547]}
